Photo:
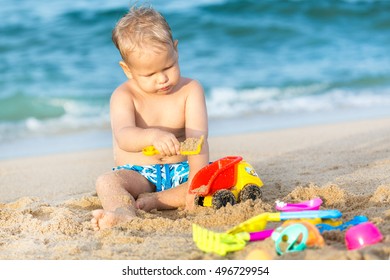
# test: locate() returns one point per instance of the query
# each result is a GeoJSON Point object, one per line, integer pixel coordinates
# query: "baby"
{"type": "Point", "coordinates": [154, 106]}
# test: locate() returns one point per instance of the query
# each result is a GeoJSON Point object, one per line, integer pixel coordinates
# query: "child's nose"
{"type": "Point", "coordinates": [162, 78]}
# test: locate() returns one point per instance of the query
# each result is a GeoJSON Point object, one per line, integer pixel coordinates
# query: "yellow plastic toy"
{"type": "Point", "coordinates": [214, 242]}
{"type": "Point", "coordinates": [151, 150]}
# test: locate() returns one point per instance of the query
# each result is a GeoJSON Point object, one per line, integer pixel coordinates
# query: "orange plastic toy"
{"type": "Point", "coordinates": [227, 180]}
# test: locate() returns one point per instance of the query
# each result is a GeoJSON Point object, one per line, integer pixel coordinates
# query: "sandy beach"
{"type": "Point", "coordinates": [45, 202]}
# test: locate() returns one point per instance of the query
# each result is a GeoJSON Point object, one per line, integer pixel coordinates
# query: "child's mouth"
{"type": "Point", "coordinates": [165, 88]}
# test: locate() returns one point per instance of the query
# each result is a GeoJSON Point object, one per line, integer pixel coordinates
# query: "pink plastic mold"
{"type": "Point", "coordinates": [362, 235]}
{"type": "Point", "coordinates": [313, 204]}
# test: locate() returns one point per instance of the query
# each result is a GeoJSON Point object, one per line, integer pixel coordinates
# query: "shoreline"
{"type": "Point", "coordinates": [46, 201]}
{"type": "Point", "coordinates": [89, 140]}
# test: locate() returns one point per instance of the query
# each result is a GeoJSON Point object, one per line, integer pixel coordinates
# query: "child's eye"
{"type": "Point", "coordinates": [151, 74]}
{"type": "Point", "coordinates": [148, 75]}
{"type": "Point", "coordinates": [169, 67]}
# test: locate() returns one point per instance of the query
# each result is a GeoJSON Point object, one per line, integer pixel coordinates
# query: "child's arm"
{"type": "Point", "coordinates": [123, 123]}
{"type": "Point", "coordinates": [196, 126]}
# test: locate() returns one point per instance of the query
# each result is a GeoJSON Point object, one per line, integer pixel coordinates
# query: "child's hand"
{"type": "Point", "coordinates": [167, 144]}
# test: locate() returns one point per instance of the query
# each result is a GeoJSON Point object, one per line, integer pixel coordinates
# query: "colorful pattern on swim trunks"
{"type": "Point", "coordinates": [163, 176]}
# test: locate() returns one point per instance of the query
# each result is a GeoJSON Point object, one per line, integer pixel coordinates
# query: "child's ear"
{"type": "Point", "coordinates": [126, 69]}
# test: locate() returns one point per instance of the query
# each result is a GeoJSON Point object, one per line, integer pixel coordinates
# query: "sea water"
{"type": "Point", "coordinates": [264, 64]}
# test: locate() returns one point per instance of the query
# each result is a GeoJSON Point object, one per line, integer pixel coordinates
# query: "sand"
{"type": "Point", "coordinates": [191, 144]}
{"type": "Point", "coordinates": [45, 202]}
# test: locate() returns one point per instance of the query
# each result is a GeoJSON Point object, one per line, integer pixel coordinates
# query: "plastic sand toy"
{"type": "Point", "coordinates": [213, 242]}
{"type": "Point", "coordinates": [253, 230]}
{"type": "Point", "coordinates": [355, 221]}
{"type": "Point", "coordinates": [292, 238]}
{"type": "Point", "coordinates": [227, 180]}
{"type": "Point", "coordinates": [362, 235]}
{"type": "Point", "coordinates": [313, 204]}
{"type": "Point", "coordinates": [191, 146]}
{"type": "Point", "coordinates": [314, 238]}
{"type": "Point", "coordinates": [222, 243]}
{"type": "Point", "coordinates": [259, 222]}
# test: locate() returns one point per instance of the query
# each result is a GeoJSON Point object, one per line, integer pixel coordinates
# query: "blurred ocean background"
{"type": "Point", "coordinates": [264, 64]}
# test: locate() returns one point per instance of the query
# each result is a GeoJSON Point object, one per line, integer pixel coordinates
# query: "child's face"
{"type": "Point", "coordinates": [155, 71]}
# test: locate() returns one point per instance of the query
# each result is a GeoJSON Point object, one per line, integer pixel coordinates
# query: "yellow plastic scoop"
{"type": "Point", "coordinates": [191, 146]}
{"type": "Point", "coordinates": [222, 243]}
{"type": "Point", "coordinates": [219, 243]}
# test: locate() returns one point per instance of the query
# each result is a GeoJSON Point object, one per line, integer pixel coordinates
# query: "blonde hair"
{"type": "Point", "coordinates": [141, 27]}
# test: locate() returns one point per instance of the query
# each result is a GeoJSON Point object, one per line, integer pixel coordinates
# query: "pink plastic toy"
{"type": "Point", "coordinates": [260, 235]}
{"type": "Point", "coordinates": [313, 204]}
{"type": "Point", "coordinates": [362, 235]}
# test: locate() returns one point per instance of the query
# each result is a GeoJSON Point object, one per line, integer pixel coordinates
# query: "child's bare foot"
{"type": "Point", "coordinates": [106, 219]}
{"type": "Point", "coordinates": [147, 202]}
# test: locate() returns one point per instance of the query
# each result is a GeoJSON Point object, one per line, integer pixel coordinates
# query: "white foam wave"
{"type": "Point", "coordinates": [221, 102]}
{"type": "Point", "coordinates": [227, 102]}
{"type": "Point", "coordinates": [78, 117]}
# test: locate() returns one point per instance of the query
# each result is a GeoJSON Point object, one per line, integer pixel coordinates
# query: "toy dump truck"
{"type": "Point", "coordinates": [227, 180]}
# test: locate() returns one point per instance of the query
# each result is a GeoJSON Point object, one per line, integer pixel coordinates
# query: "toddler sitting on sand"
{"type": "Point", "coordinates": [155, 106]}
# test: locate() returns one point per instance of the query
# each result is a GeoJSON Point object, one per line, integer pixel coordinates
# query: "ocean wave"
{"type": "Point", "coordinates": [12, 131]}
{"type": "Point", "coordinates": [22, 115]}
{"type": "Point", "coordinates": [43, 116]}
{"type": "Point", "coordinates": [228, 102]}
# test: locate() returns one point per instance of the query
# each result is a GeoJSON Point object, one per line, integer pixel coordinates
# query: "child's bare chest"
{"type": "Point", "coordinates": [163, 112]}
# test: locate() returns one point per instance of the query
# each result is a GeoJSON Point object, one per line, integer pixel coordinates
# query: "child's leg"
{"type": "Point", "coordinates": [168, 199]}
{"type": "Point", "coordinates": [117, 192]}
{"type": "Point", "coordinates": [172, 198]}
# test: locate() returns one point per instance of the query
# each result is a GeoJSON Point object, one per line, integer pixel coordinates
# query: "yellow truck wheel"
{"type": "Point", "coordinates": [199, 200]}
{"type": "Point", "coordinates": [250, 191]}
{"type": "Point", "coordinates": [222, 197]}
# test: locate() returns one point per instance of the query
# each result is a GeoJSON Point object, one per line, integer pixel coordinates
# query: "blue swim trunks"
{"type": "Point", "coordinates": [163, 176]}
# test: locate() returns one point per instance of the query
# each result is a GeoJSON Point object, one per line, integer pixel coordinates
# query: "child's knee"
{"type": "Point", "coordinates": [103, 182]}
